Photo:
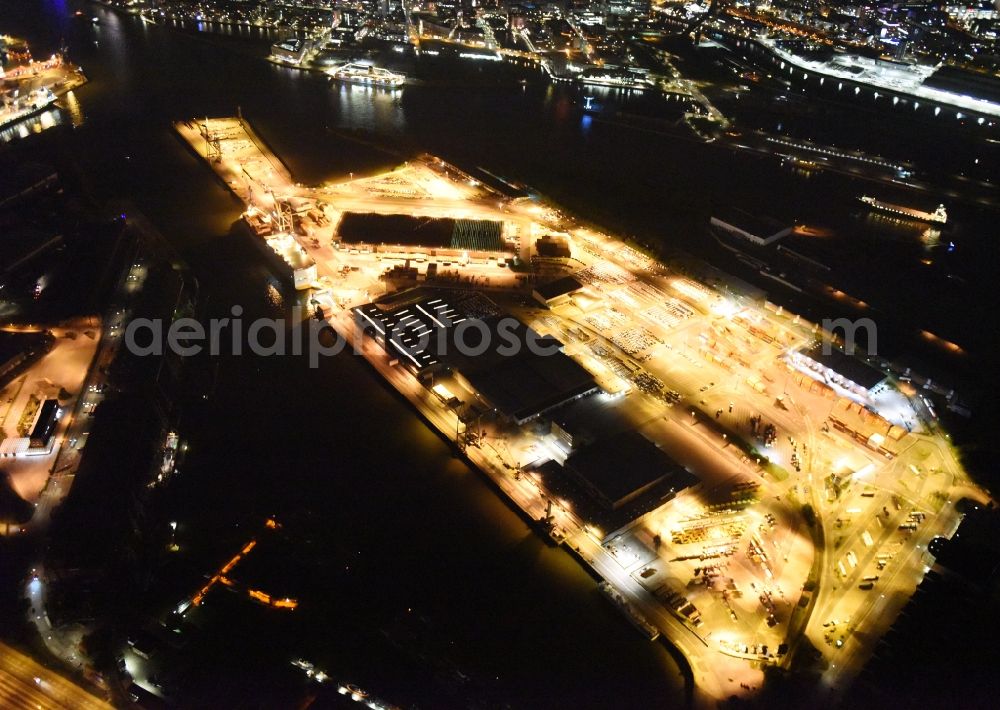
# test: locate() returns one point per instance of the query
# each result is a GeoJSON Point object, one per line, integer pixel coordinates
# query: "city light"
{"type": "Point", "coordinates": [716, 376]}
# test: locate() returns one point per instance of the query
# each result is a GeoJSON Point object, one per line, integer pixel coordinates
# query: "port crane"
{"type": "Point", "coordinates": [213, 142]}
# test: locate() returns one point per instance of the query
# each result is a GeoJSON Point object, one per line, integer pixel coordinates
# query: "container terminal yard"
{"type": "Point", "coordinates": [744, 487]}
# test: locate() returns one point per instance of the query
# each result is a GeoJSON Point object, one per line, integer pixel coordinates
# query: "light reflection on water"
{"type": "Point", "coordinates": [900, 228]}
{"type": "Point", "coordinates": [931, 237]}
{"type": "Point", "coordinates": [228, 29]}
{"type": "Point", "coordinates": [35, 124]}
{"type": "Point", "coordinates": [273, 296]}
{"type": "Point", "coordinates": [369, 106]}
{"type": "Point", "coordinates": [73, 109]}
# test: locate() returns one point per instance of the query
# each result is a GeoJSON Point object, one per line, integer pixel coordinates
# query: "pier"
{"type": "Point", "coordinates": [637, 326]}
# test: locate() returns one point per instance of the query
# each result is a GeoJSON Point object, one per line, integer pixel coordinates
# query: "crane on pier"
{"type": "Point", "coordinates": [213, 142]}
{"type": "Point", "coordinates": [282, 214]}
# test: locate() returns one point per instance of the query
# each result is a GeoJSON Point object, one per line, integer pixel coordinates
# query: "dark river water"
{"type": "Point", "coordinates": [387, 526]}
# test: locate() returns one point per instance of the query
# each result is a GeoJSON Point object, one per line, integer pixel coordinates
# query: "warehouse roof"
{"type": "Point", "coordinates": [850, 368]}
{"type": "Point", "coordinates": [622, 466]}
{"type": "Point", "coordinates": [559, 287]}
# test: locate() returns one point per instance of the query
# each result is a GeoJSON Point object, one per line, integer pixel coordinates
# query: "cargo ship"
{"type": "Point", "coordinates": [290, 260]}
{"type": "Point", "coordinates": [367, 74]}
{"type": "Point", "coordinates": [635, 618]}
{"type": "Point", "coordinates": [938, 216]}
{"type": "Point", "coordinates": [286, 256]}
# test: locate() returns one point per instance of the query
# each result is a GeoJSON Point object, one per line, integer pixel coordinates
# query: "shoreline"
{"type": "Point", "coordinates": [716, 670]}
{"type": "Point", "coordinates": [678, 641]}
{"type": "Point", "coordinates": [74, 79]}
{"type": "Point", "coordinates": [500, 483]}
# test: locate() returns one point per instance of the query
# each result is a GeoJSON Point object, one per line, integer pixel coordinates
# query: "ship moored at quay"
{"type": "Point", "coordinates": [366, 74]}
{"type": "Point", "coordinates": [938, 216]}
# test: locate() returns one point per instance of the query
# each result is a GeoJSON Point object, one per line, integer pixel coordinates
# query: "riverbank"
{"type": "Point", "coordinates": [531, 500]}
{"type": "Point", "coordinates": [353, 480]}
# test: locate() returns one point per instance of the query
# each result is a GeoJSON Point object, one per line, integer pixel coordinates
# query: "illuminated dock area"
{"type": "Point", "coordinates": [763, 444]}
{"type": "Point", "coordinates": [31, 88]}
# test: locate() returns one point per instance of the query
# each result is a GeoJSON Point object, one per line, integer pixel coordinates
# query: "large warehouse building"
{"type": "Point", "coordinates": [620, 469]}
{"type": "Point", "coordinates": [833, 366]}
{"type": "Point", "coordinates": [394, 233]}
{"type": "Point", "coordinates": [510, 368]}
{"type": "Point", "coordinates": [756, 229]}
{"type": "Point", "coordinates": [556, 292]}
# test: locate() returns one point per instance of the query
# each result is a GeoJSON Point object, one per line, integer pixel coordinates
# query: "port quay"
{"type": "Point", "coordinates": [41, 84]}
{"type": "Point", "coordinates": [764, 492]}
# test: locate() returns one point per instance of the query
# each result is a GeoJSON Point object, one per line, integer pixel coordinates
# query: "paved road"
{"type": "Point", "coordinates": [27, 685]}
